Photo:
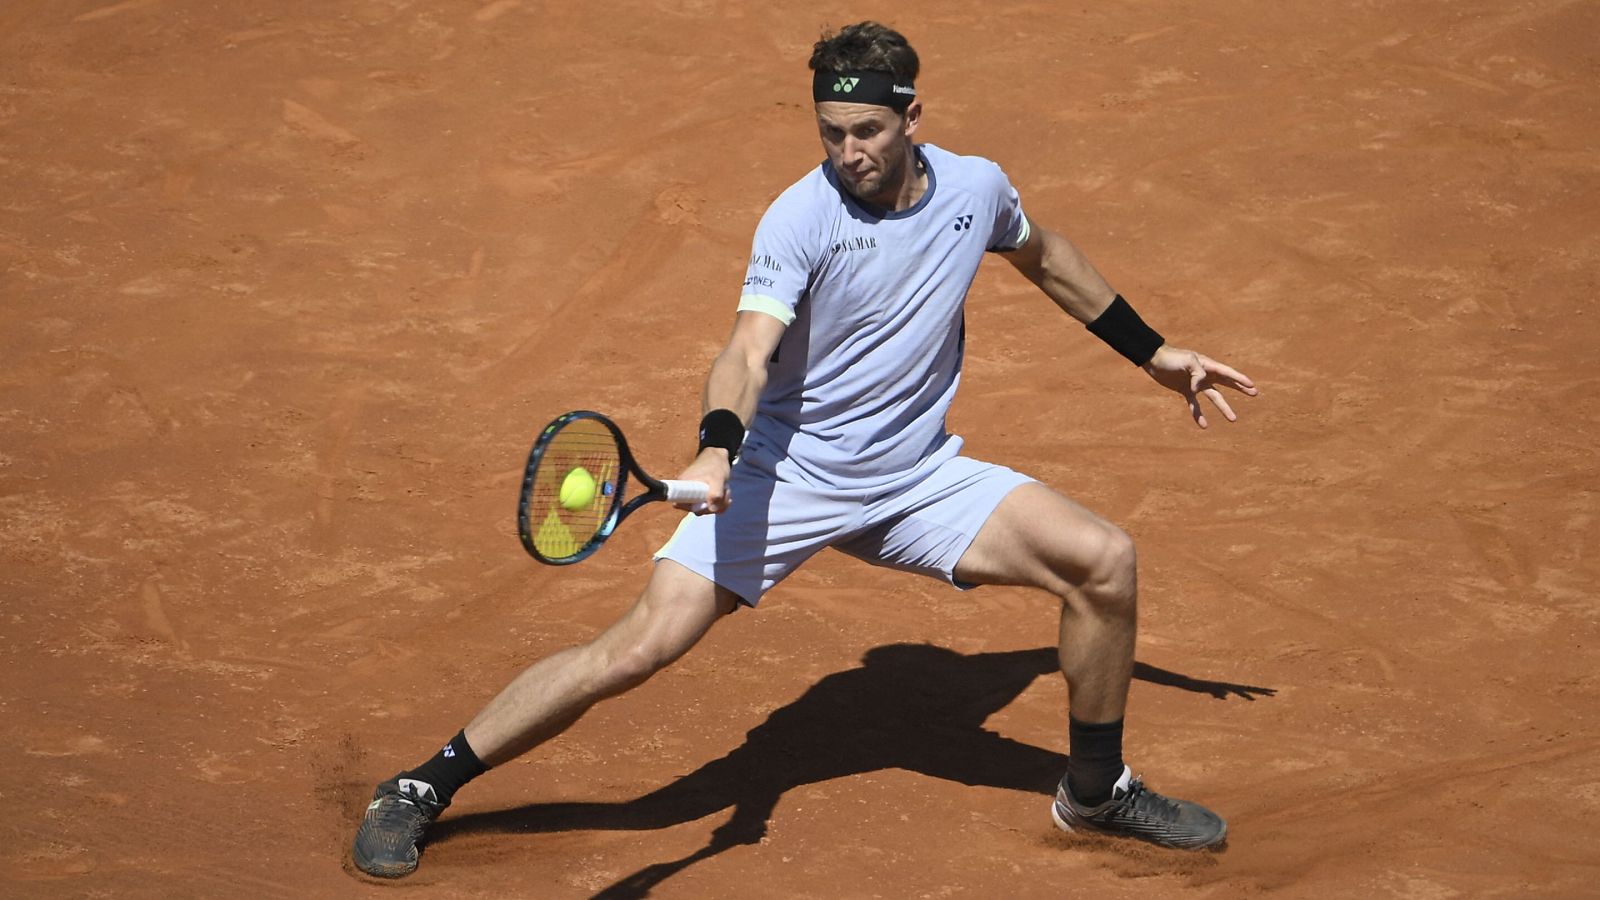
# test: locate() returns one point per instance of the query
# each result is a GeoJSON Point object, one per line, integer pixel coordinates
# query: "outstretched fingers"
{"type": "Point", "coordinates": [1229, 376]}
{"type": "Point", "coordinates": [1205, 374]}
{"type": "Point", "coordinates": [1198, 377]}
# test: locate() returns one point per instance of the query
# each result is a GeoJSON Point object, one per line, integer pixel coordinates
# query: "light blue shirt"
{"type": "Point", "coordinates": [858, 389]}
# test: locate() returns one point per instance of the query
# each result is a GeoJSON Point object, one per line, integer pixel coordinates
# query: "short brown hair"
{"type": "Point", "coordinates": [866, 47]}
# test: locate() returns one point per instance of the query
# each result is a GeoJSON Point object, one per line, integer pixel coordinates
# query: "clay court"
{"type": "Point", "coordinates": [287, 289]}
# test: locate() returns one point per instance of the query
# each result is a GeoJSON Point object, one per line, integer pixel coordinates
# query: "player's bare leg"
{"type": "Point", "coordinates": [676, 609]}
{"type": "Point", "coordinates": [1039, 538]}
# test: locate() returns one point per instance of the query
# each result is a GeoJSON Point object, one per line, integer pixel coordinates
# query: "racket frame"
{"type": "Point", "coordinates": [654, 489]}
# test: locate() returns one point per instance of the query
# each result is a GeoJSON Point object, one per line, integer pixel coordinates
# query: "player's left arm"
{"type": "Point", "coordinates": [1066, 276]}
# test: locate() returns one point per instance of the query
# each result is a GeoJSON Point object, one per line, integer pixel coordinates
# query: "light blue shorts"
{"type": "Point", "coordinates": [775, 525]}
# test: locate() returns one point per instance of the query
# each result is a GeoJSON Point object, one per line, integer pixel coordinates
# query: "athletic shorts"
{"type": "Point", "coordinates": [775, 525]}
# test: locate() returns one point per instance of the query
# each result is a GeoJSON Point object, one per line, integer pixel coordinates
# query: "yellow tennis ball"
{"type": "Point", "coordinates": [577, 489]}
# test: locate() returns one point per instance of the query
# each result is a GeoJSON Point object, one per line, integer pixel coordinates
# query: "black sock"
{"type": "Point", "coordinates": [1095, 760]}
{"type": "Point", "coordinates": [450, 768]}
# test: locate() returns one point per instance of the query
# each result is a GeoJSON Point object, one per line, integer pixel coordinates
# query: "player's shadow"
{"type": "Point", "coordinates": [907, 706]}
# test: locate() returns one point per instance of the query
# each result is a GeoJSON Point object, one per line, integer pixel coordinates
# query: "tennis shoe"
{"type": "Point", "coordinates": [399, 815]}
{"type": "Point", "coordinates": [1136, 811]}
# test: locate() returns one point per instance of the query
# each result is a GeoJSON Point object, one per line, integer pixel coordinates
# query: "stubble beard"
{"type": "Point", "coordinates": [871, 188]}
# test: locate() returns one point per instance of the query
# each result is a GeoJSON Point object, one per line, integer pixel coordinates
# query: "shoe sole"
{"type": "Point", "coordinates": [379, 870]}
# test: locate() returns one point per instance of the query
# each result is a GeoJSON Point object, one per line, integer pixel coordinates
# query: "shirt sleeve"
{"type": "Point", "coordinates": [1011, 227]}
{"type": "Point", "coordinates": [780, 262]}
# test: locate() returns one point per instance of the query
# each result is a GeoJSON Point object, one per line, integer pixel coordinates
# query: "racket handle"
{"type": "Point", "coordinates": [686, 491]}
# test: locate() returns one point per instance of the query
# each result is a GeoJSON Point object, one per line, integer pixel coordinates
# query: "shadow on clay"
{"type": "Point", "coordinates": [915, 707]}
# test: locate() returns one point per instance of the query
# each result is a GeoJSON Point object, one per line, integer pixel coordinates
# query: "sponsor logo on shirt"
{"type": "Point", "coordinates": [766, 262]}
{"type": "Point", "coordinates": [963, 223]}
{"type": "Point", "coordinates": [761, 280]}
{"type": "Point", "coordinates": [856, 243]}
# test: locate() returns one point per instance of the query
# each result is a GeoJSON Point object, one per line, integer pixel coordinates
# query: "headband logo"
{"type": "Point", "coordinates": [869, 87]}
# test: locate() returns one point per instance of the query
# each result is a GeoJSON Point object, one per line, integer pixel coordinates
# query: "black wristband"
{"type": "Point", "coordinates": [722, 428]}
{"type": "Point", "coordinates": [1127, 334]}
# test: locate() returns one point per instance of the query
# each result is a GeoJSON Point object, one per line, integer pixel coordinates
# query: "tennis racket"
{"type": "Point", "coordinates": [573, 486]}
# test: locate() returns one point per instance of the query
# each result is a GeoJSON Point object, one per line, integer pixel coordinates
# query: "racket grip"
{"type": "Point", "coordinates": [686, 491]}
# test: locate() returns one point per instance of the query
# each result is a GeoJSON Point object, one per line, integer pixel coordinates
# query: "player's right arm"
{"type": "Point", "coordinates": [737, 377]}
{"type": "Point", "coordinates": [740, 371]}
{"type": "Point", "coordinates": [783, 256]}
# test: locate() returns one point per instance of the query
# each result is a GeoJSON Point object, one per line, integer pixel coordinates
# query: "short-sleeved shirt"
{"type": "Point", "coordinates": [863, 376]}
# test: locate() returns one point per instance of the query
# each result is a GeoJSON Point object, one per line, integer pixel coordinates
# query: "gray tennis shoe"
{"type": "Point", "coordinates": [1136, 811]}
{"type": "Point", "coordinates": [398, 816]}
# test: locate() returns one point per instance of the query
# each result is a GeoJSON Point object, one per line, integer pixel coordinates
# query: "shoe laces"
{"type": "Point", "coordinates": [1141, 800]}
{"type": "Point", "coordinates": [405, 812]}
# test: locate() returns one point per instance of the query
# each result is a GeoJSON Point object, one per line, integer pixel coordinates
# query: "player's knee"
{"type": "Point", "coordinates": [635, 662]}
{"type": "Point", "coordinates": [1113, 578]}
{"type": "Point", "coordinates": [631, 667]}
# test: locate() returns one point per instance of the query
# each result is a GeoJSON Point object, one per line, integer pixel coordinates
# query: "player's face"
{"type": "Point", "coordinates": [869, 147]}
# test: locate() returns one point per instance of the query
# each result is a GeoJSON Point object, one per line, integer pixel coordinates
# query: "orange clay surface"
{"type": "Point", "coordinates": [287, 288]}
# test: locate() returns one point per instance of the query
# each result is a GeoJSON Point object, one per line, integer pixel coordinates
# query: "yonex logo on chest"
{"type": "Point", "coordinates": [963, 223]}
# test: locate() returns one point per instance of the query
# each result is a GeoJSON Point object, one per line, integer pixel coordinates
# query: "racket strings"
{"type": "Point", "coordinates": [559, 532]}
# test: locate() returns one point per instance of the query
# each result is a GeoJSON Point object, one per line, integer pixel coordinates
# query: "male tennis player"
{"type": "Point", "coordinates": [825, 427]}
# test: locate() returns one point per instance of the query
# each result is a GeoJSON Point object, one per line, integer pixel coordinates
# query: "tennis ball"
{"type": "Point", "coordinates": [577, 489]}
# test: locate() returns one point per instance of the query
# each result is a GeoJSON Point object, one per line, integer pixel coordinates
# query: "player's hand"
{"type": "Point", "coordinates": [712, 468]}
{"type": "Point", "coordinates": [1194, 375]}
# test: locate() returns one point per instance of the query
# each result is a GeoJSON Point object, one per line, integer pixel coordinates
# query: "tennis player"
{"type": "Point", "coordinates": [824, 426]}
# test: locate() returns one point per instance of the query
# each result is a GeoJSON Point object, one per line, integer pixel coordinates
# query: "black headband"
{"type": "Point", "coordinates": [876, 88]}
